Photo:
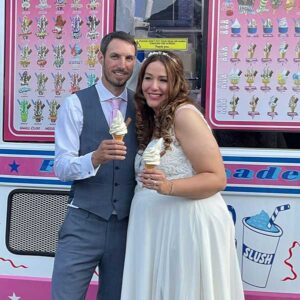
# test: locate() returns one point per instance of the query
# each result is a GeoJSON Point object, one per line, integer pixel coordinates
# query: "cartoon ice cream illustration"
{"type": "Point", "coordinates": [296, 78]}
{"type": "Point", "coordinates": [262, 6]}
{"type": "Point", "coordinates": [276, 4]}
{"type": "Point", "coordinates": [236, 27]}
{"type": "Point", "coordinates": [267, 26]}
{"type": "Point", "coordinates": [282, 50]}
{"type": "Point", "coordinates": [293, 103]}
{"type": "Point", "coordinates": [297, 50]}
{"type": "Point", "coordinates": [260, 241]}
{"type": "Point", "coordinates": [118, 128]}
{"type": "Point", "coordinates": [289, 5]}
{"type": "Point", "coordinates": [297, 26]}
{"type": "Point", "coordinates": [272, 104]}
{"type": "Point", "coordinates": [266, 78]}
{"type": "Point", "coordinates": [281, 79]}
{"type": "Point", "coordinates": [283, 26]}
{"type": "Point", "coordinates": [151, 155]}
{"type": "Point", "coordinates": [250, 78]}
{"type": "Point", "coordinates": [253, 103]}
{"type": "Point", "coordinates": [252, 26]}
{"type": "Point", "coordinates": [234, 77]}
{"type": "Point", "coordinates": [251, 51]}
{"type": "Point", "coordinates": [235, 50]}
{"type": "Point", "coordinates": [267, 51]}
{"type": "Point", "coordinates": [233, 105]}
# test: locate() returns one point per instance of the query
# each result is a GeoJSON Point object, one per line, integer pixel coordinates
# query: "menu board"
{"type": "Point", "coordinates": [253, 65]}
{"type": "Point", "coordinates": [51, 51]}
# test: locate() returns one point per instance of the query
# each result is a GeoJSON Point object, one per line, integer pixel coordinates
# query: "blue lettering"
{"type": "Point", "coordinates": [243, 173]}
{"type": "Point", "coordinates": [269, 173]}
{"type": "Point", "coordinates": [47, 165]}
{"type": "Point", "coordinates": [258, 257]}
{"type": "Point", "coordinates": [291, 175]}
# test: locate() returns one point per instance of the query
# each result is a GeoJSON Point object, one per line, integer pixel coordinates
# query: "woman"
{"type": "Point", "coordinates": [180, 241]}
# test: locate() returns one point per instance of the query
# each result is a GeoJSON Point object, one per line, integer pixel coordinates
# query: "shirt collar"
{"type": "Point", "coordinates": [105, 94]}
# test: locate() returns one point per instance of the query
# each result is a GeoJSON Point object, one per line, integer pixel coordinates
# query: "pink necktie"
{"type": "Point", "coordinates": [116, 102]}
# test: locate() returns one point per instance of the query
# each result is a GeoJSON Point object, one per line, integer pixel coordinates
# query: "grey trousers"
{"type": "Point", "coordinates": [85, 242]}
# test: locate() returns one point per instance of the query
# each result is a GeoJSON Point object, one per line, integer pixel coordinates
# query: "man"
{"type": "Point", "coordinates": [94, 231]}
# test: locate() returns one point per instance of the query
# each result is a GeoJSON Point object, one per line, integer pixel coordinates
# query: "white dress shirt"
{"type": "Point", "coordinates": [68, 166]}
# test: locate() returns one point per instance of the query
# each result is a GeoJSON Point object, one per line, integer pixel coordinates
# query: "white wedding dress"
{"type": "Point", "coordinates": [179, 249]}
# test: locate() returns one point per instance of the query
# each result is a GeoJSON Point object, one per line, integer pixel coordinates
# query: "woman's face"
{"type": "Point", "coordinates": [155, 85]}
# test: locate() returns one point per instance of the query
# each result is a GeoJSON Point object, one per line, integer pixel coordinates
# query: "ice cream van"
{"type": "Point", "coordinates": [242, 59]}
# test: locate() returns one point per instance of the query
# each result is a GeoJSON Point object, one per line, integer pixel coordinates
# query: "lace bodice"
{"type": "Point", "coordinates": [174, 162]}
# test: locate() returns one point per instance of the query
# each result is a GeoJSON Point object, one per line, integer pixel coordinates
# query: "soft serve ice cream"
{"type": "Point", "coordinates": [118, 127]}
{"type": "Point", "coordinates": [151, 155]}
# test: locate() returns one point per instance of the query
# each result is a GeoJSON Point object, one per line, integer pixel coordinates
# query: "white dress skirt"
{"type": "Point", "coordinates": [177, 248]}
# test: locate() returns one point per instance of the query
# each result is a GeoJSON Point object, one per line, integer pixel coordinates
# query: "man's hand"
{"type": "Point", "coordinates": [108, 150]}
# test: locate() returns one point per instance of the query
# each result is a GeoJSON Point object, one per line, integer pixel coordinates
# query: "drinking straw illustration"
{"type": "Point", "coordinates": [276, 212]}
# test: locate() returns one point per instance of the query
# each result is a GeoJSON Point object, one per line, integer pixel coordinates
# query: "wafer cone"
{"type": "Point", "coordinates": [118, 137]}
{"type": "Point", "coordinates": [149, 166]}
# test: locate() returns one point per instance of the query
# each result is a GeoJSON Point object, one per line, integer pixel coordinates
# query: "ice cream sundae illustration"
{"type": "Point", "coordinates": [297, 52]}
{"type": "Point", "coordinates": [75, 82]}
{"type": "Point", "coordinates": [26, 27]}
{"type": "Point", "coordinates": [234, 77]}
{"type": "Point", "coordinates": [235, 52]}
{"type": "Point", "coordinates": [53, 108]}
{"type": "Point", "coordinates": [25, 54]}
{"type": "Point", "coordinates": [282, 51]}
{"type": "Point", "coordinates": [24, 81]}
{"type": "Point", "coordinates": [262, 6]}
{"type": "Point", "coordinates": [151, 155]}
{"type": "Point", "coordinates": [42, 23]}
{"type": "Point", "coordinates": [58, 80]}
{"type": "Point", "coordinates": [297, 26]}
{"type": "Point", "coordinates": [266, 78]}
{"type": "Point", "coordinates": [267, 27]}
{"type": "Point", "coordinates": [293, 105]}
{"type": "Point", "coordinates": [58, 51]}
{"type": "Point", "coordinates": [251, 52]}
{"type": "Point", "coordinates": [38, 110]}
{"type": "Point", "coordinates": [253, 104]}
{"type": "Point", "coordinates": [58, 27]}
{"type": "Point", "coordinates": [283, 27]}
{"type": "Point", "coordinates": [281, 79]}
{"type": "Point", "coordinates": [233, 105]}
{"type": "Point", "coordinates": [252, 27]}
{"type": "Point", "coordinates": [93, 4]}
{"type": "Point", "coordinates": [250, 78]}
{"type": "Point", "coordinates": [246, 6]}
{"type": "Point", "coordinates": [118, 127]}
{"type": "Point", "coordinates": [267, 52]}
{"type": "Point", "coordinates": [42, 52]}
{"type": "Point", "coordinates": [273, 104]}
{"type": "Point", "coordinates": [41, 79]}
{"type": "Point", "coordinates": [236, 28]}
{"type": "Point", "coordinates": [296, 79]}
{"type": "Point", "coordinates": [261, 236]}
{"type": "Point", "coordinates": [24, 109]}
{"type": "Point", "coordinates": [43, 4]}
{"type": "Point", "coordinates": [76, 4]}
{"type": "Point", "coordinates": [25, 5]}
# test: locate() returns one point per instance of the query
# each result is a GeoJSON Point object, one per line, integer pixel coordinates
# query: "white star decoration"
{"type": "Point", "coordinates": [14, 297]}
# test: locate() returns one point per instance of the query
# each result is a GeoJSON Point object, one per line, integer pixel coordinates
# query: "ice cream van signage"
{"type": "Point", "coordinates": [253, 64]}
{"type": "Point", "coordinates": [51, 51]}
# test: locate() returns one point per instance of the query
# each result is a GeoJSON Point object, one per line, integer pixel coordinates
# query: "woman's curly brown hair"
{"type": "Point", "coordinates": [148, 124]}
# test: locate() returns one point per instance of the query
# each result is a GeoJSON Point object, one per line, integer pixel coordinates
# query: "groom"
{"type": "Point", "coordinates": [94, 231]}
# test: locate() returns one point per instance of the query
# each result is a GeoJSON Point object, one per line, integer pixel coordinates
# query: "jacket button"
{"type": "Point", "coordinates": [116, 184]}
{"type": "Point", "coordinates": [117, 168]}
{"type": "Point", "coordinates": [115, 200]}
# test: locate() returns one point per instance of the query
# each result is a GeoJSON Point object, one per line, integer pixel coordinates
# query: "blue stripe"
{"type": "Point", "coordinates": [33, 181]}
{"type": "Point", "coordinates": [262, 159]}
{"type": "Point", "coordinates": [262, 190]}
{"type": "Point", "coordinates": [27, 152]}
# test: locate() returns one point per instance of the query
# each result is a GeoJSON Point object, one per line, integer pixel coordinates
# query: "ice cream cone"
{"type": "Point", "coordinates": [119, 137]}
{"type": "Point", "coordinates": [149, 166]}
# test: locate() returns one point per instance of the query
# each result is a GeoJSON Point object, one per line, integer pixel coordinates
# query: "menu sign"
{"type": "Point", "coordinates": [253, 65]}
{"type": "Point", "coordinates": [51, 52]}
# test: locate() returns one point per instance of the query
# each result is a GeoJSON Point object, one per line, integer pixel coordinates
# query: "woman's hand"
{"type": "Point", "coordinates": [155, 179]}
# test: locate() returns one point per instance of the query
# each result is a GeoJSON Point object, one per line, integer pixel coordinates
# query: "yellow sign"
{"type": "Point", "coordinates": [179, 44]}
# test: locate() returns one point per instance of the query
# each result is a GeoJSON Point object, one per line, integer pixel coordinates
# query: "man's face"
{"type": "Point", "coordinates": [117, 64]}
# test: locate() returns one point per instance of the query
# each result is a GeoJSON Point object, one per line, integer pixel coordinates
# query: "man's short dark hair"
{"type": "Point", "coordinates": [121, 35]}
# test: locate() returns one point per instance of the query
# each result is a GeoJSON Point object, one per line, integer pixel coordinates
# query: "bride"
{"type": "Point", "coordinates": [181, 239]}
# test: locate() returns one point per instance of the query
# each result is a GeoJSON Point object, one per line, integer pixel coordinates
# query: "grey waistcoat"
{"type": "Point", "coordinates": [113, 186]}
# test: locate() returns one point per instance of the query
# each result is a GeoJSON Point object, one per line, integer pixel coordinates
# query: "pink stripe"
{"type": "Point", "coordinates": [270, 296]}
{"type": "Point", "coordinates": [33, 288]}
